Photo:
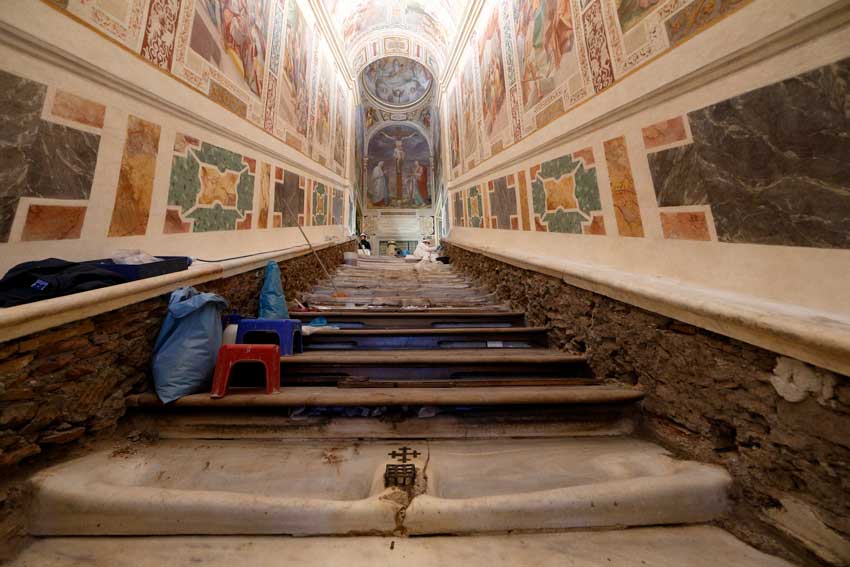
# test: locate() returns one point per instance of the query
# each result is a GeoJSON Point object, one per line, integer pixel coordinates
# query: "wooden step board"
{"type": "Point", "coordinates": [395, 339]}
{"type": "Point", "coordinates": [377, 397]}
{"type": "Point", "coordinates": [434, 319]}
{"type": "Point", "coordinates": [429, 366]}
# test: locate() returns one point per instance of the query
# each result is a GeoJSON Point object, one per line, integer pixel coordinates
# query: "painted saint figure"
{"type": "Point", "coordinates": [380, 191]}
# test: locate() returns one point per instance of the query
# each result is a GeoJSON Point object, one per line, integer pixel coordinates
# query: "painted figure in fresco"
{"type": "Point", "coordinates": [493, 88]}
{"type": "Point", "coordinates": [379, 193]}
{"type": "Point", "coordinates": [323, 112]}
{"type": "Point", "coordinates": [244, 39]}
{"type": "Point", "coordinates": [630, 12]}
{"type": "Point", "coordinates": [420, 176]}
{"type": "Point", "coordinates": [545, 34]}
{"type": "Point", "coordinates": [295, 73]}
{"type": "Point", "coordinates": [398, 152]}
{"type": "Point", "coordinates": [397, 80]}
{"type": "Point", "coordinates": [455, 138]}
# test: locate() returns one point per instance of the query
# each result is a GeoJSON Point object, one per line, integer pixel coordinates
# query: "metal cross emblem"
{"type": "Point", "coordinates": [404, 454]}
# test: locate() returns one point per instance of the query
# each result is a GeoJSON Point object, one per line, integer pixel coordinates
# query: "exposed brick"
{"type": "Point", "coordinates": [7, 350]}
{"type": "Point", "coordinates": [48, 337]}
{"type": "Point", "coordinates": [15, 455]}
{"type": "Point", "coordinates": [16, 394]}
{"type": "Point", "coordinates": [61, 437]}
{"type": "Point", "coordinates": [69, 346]}
{"type": "Point", "coordinates": [15, 365]}
{"type": "Point", "coordinates": [16, 414]}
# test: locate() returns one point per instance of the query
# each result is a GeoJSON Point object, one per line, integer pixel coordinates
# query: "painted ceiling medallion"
{"type": "Point", "coordinates": [397, 82]}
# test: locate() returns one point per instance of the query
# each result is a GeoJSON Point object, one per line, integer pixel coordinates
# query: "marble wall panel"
{"type": "Point", "coordinates": [685, 225]}
{"type": "Point", "coordinates": [136, 179]}
{"type": "Point", "coordinates": [53, 222]}
{"type": "Point", "coordinates": [78, 109]}
{"type": "Point", "coordinates": [623, 190]}
{"type": "Point", "coordinates": [503, 204]}
{"type": "Point", "coordinates": [38, 158]}
{"type": "Point", "coordinates": [319, 211]}
{"type": "Point", "coordinates": [475, 206]}
{"type": "Point", "coordinates": [265, 195]}
{"type": "Point", "coordinates": [289, 199]}
{"type": "Point", "coordinates": [212, 187]}
{"type": "Point", "coordinates": [338, 204]}
{"type": "Point", "coordinates": [772, 163]}
{"type": "Point", "coordinates": [457, 209]}
{"type": "Point", "coordinates": [565, 193]}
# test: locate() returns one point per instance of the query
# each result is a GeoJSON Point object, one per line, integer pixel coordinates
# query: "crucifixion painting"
{"type": "Point", "coordinates": [399, 162]}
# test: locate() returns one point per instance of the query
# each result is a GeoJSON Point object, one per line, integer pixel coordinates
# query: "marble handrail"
{"type": "Point", "coordinates": [813, 336]}
{"type": "Point", "coordinates": [31, 318]}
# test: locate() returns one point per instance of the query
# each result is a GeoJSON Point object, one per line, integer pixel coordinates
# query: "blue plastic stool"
{"type": "Point", "coordinates": [288, 332]}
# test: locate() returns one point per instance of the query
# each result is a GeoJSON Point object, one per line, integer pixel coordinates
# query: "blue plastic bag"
{"type": "Point", "coordinates": [187, 346]}
{"type": "Point", "coordinates": [272, 301]}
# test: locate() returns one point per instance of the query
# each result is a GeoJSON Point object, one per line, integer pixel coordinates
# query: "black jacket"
{"type": "Point", "coordinates": [43, 279]}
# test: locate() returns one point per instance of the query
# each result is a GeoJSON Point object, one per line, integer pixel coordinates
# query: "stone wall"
{"type": "Point", "coordinates": [61, 384]}
{"type": "Point", "coordinates": [779, 426]}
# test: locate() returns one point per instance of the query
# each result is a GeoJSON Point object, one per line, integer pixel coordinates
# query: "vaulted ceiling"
{"type": "Point", "coordinates": [434, 22]}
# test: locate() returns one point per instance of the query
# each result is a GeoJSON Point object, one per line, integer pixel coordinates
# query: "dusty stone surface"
{"type": "Point", "coordinates": [709, 398]}
{"type": "Point", "coordinates": [323, 487]}
{"type": "Point", "coordinates": [656, 547]}
{"type": "Point", "coordinates": [65, 384]}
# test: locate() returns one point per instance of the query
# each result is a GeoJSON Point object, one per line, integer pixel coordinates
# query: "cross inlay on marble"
{"type": "Point", "coordinates": [404, 454]}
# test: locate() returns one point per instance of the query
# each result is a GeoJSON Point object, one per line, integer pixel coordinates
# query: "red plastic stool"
{"type": "Point", "coordinates": [228, 355]}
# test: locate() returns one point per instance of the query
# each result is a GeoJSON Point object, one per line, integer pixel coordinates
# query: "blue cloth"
{"type": "Point", "coordinates": [272, 300]}
{"type": "Point", "coordinates": [186, 349]}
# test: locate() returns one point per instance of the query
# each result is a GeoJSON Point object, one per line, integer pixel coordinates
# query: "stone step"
{"type": "Point", "coordinates": [204, 487]}
{"type": "Point", "coordinates": [395, 339]}
{"type": "Point", "coordinates": [436, 319]}
{"type": "Point", "coordinates": [399, 366]}
{"type": "Point", "coordinates": [691, 546]}
{"type": "Point", "coordinates": [380, 397]}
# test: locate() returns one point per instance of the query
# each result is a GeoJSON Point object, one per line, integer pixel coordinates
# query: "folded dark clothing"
{"type": "Point", "coordinates": [44, 279]}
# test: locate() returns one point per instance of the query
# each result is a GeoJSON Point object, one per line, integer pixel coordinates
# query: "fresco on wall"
{"type": "Point", "coordinates": [211, 188]}
{"type": "Point", "coordinates": [340, 126]}
{"type": "Point", "coordinates": [557, 54]}
{"type": "Point", "coordinates": [399, 159]}
{"type": "Point", "coordinates": [231, 34]}
{"type": "Point", "coordinates": [493, 91]}
{"type": "Point", "coordinates": [454, 131]}
{"type": "Point", "coordinates": [565, 195]}
{"type": "Point", "coordinates": [45, 160]}
{"type": "Point", "coordinates": [397, 81]}
{"type": "Point", "coordinates": [289, 199]}
{"type": "Point", "coordinates": [792, 188]}
{"type": "Point", "coordinates": [322, 132]}
{"type": "Point", "coordinates": [295, 86]}
{"type": "Point", "coordinates": [545, 39]}
{"type": "Point", "coordinates": [468, 110]}
{"type": "Point", "coordinates": [631, 12]}
{"type": "Point", "coordinates": [136, 179]}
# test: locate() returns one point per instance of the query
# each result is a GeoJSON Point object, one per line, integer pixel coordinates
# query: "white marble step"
{"type": "Point", "coordinates": [694, 546]}
{"type": "Point", "coordinates": [195, 487]}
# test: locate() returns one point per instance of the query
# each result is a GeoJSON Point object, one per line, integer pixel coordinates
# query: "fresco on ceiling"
{"type": "Point", "coordinates": [545, 39]}
{"type": "Point", "coordinates": [398, 162]}
{"type": "Point", "coordinates": [424, 16]}
{"type": "Point", "coordinates": [295, 88]}
{"type": "Point", "coordinates": [397, 81]}
{"type": "Point", "coordinates": [493, 93]}
{"type": "Point", "coordinates": [231, 34]}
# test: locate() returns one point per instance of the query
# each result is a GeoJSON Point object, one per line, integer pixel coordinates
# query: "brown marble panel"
{"type": "Point", "coordinates": [596, 226]}
{"type": "Point", "coordinates": [623, 189]}
{"type": "Point", "coordinates": [685, 225]}
{"type": "Point", "coordinates": [227, 99]}
{"type": "Point", "coordinates": [265, 191]}
{"type": "Point", "coordinates": [665, 133]}
{"type": "Point", "coordinates": [53, 222]}
{"type": "Point", "coordinates": [174, 223]}
{"type": "Point", "coordinates": [523, 201]}
{"type": "Point", "coordinates": [136, 179]}
{"type": "Point", "coordinates": [78, 109]}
